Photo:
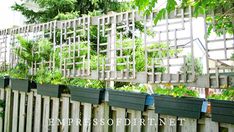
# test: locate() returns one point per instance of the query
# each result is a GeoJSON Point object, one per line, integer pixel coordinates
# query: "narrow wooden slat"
{"type": "Point", "coordinates": [135, 118]}
{"type": "Point", "coordinates": [87, 117]}
{"type": "Point", "coordinates": [8, 111]}
{"type": "Point", "coordinates": [171, 123]}
{"type": "Point", "coordinates": [65, 114]}
{"type": "Point", "coordinates": [106, 116]}
{"type": "Point", "coordinates": [211, 126]}
{"type": "Point", "coordinates": [15, 111]}
{"type": "Point", "coordinates": [151, 121]}
{"type": "Point", "coordinates": [231, 128]}
{"type": "Point", "coordinates": [29, 112]}
{"type": "Point", "coordinates": [46, 114]}
{"type": "Point", "coordinates": [120, 119]}
{"type": "Point", "coordinates": [2, 97]}
{"type": "Point", "coordinates": [99, 115]}
{"type": "Point", "coordinates": [55, 115]}
{"type": "Point", "coordinates": [37, 115]}
{"type": "Point", "coordinates": [75, 115]}
{"type": "Point", "coordinates": [22, 112]}
{"type": "Point", "coordinates": [188, 124]}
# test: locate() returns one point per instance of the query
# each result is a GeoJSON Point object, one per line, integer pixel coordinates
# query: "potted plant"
{"type": "Point", "coordinates": [50, 82]}
{"type": "Point", "coordinates": [222, 106]}
{"type": "Point", "coordinates": [130, 96]}
{"type": "Point", "coordinates": [20, 77]}
{"type": "Point", "coordinates": [89, 91]}
{"type": "Point", "coordinates": [178, 101]}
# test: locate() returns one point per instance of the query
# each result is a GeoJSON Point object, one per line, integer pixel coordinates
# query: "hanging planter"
{"type": "Point", "coordinates": [23, 85]}
{"type": "Point", "coordinates": [222, 111]}
{"type": "Point", "coordinates": [50, 90]}
{"type": "Point", "coordinates": [87, 95]}
{"type": "Point", "coordinates": [130, 100]}
{"type": "Point", "coordinates": [178, 106]}
{"type": "Point", "coordinates": [4, 82]}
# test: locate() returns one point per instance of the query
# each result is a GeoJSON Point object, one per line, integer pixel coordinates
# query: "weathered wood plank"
{"type": "Point", "coordinates": [37, 114]}
{"type": "Point", "coordinates": [120, 119]}
{"type": "Point", "coordinates": [75, 115]}
{"type": "Point", "coordinates": [151, 121]}
{"type": "Point", "coordinates": [65, 114]}
{"type": "Point", "coordinates": [211, 126]}
{"type": "Point", "coordinates": [2, 97]}
{"type": "Point", "coordinates": [46, 114]}
{"type": "Point", "coordinates": [188, 124]}
{"type": "Point", "coordinates": [29, 112]}
{"type": "Point", "coordinates": [55, 115]}
{"type": "Point", "coordinates": [87, 117]}
{"type": "Point", "coordinates": [171, 123]}
{"type": "Point", "coordinates": [15, 111]}
{"type": "Point", "coordinates": [22, 112]}
{"type": "Point", "coordinates": [231, 128]}
{"type": "Point", "coordinates": [8, 111]}
{"type": "Point", "coordinates": [135, 118]}
{"type": "Point", "coordinates": [99, 115]}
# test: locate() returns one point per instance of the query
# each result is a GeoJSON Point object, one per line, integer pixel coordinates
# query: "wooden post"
{"type": "Point", "coordinates": [8, 112]}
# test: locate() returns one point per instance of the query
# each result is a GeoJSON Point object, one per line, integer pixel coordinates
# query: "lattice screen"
{"type": "Point", "coordinates": [3, 50]}
{"type": "Point", "coordinates": [167, 46]}
{"type": "Point", "coordinates": [116, 51]}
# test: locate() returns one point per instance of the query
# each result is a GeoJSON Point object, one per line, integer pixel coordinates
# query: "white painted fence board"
{"type": "Point", "coordinates": [22, 112]}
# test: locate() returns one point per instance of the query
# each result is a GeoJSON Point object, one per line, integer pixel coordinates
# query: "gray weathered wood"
{"type": "Point", "coordinates": [211, 126]}
{"type": "Point", "coordinates": [87, 117]}
{"type": "Point", "coordinates": [37, 114]}
{"type": "Point", "coordinates": [15, 111]}
{"type": "Point", "coordinates": [2, 97]}
{"type": "Point", "coordinates": [99, 115]}
{"type": "Point", "coordinates": [120, 119]}
{"type": "Point", "coordinates": [188, 124]}
{"type": "Point", "coordinates": [231, 128]}
{"type": "Point", "coordinates": [46, 114]}
{"type": "Point", "coordinates": [8, 111]}
{"type": "Point", "coordinates": [135, 118]}
{"type": "Point", "coordinates": [55, 114]}
{"type": "Point", "coordinates": [22, 112]}
{"type": "Point", "coordinates": [29, 112]}
{"type": "Point", "coordinates": [171, 123]}
{"type": "Point", "coordinates": [65, 114]}
{"type": "Point", "coordinates": [151, 121]}
{"type": "Point", "coordinates": [75, 115]}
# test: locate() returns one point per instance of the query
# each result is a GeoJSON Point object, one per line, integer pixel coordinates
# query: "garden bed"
{"type": "Point", "coordinates": [50, 90]}
{"type": "Point", "coordinates": [23, 85]}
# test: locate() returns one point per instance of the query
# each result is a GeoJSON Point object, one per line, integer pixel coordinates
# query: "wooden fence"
{"type": "Point", "coordinates": [31, 112]}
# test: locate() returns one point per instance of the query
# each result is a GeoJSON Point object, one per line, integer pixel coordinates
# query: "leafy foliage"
{"type": "Point", "coordinates": [176, 91]}
{"type": "Point", "coordinates": [223, 11]}
{"type": "Point", "coordinates": [227, 94]}
{"type": "Point", "coordinates": [134, 88]}
{"type": "Point", "coordinates": [86, 83]}
{"type": "Point", "coordinates": [2, 104]}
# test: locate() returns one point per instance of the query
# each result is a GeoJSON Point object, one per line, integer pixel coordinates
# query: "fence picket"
{"type": "Point", "coordinates": [86, 126]}
{"type": "Point", "coordinates": [65, 114]}
{"type": "Point", "coordinates": [29, 112]}
{"type": "Point", "coordinates": [8, 111]}
{"type": "Point", "coordinates": [135, 118]}
{"type": "Point", "coordinates": [188, 124]}
{"type": "Point", "coordinates": [46, 114]}
{"type": "Point", "coordinates": [2, 97]}
{"type": "Point", "coordinates": [55, 114]}
{"type": "Point", "coordinates": [22, 112]}
{"type": "Point", "coordinates": [120, 119]}
{"type": "Point", "coordinates": [75, 115]}
{"type": "Point", "coordinates": [15, 111]}
{"type": "Point", "coordinates": [37, 119]}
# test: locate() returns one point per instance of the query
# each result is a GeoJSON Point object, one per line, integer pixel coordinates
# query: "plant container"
{"type": "Point", "coordinates": [222, 111]}
{"type": "Point", "coordinates": [4, 82]}
{"type": "Point", "coordinates": [50, 90]}
{"type": "Point", "coordinates": [130, 100]}
{"type": "Point", "coordinates": [23, 85]}
{"type": "Point", "coordinates": [87, 95]}
{"type": "Point", "coordinates": [178, 106]}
